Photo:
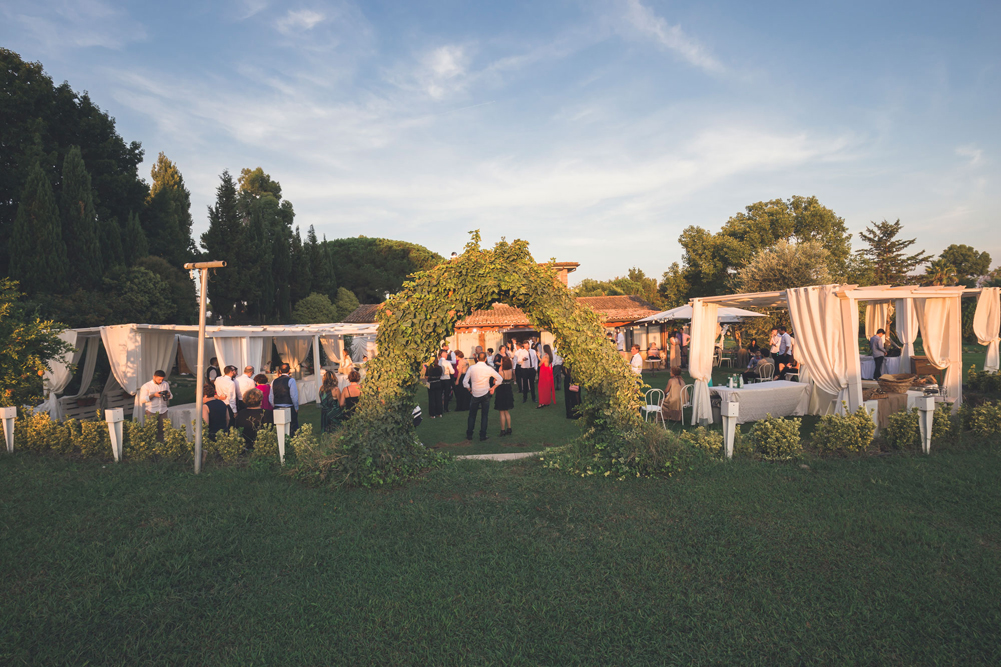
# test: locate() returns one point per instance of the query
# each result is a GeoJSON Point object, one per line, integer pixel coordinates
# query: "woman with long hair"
{"type": "Point", "coordinates": [547, 388]}
{"type": "Point", "coordinates": [675, 341]}
{"type": "Point", "coordinates": [673, 395]}
{"type": "Point", "coordinates": [462, 395]}
{"type": "Point", "coordinates": [330, 403]}
{"type": "Point", "coordinates": [504, 395]}
{"type": "Point", "coordinates": [349, 397]}
{"type": "Point", "coordinates": [433, 376]}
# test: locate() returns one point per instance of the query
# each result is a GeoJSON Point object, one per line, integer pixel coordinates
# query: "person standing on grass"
{"type": "Point", "coordinates": [330, 404]}
{"type": "Point", "coordinates": [620, 343]}
{"type": "Point", "coordinates": [528, 362]}
{"type": "Point", "coordinates": [285, 394]}
{"type": "Point", "coordinates": [447, 371]}
{"type": "Point", "coordinates": [261, 381]}
{"type": "Point", "coordinates": [225, 388]}
{"type": "Point", "coordinates": [636, 362]}
{"type": "Point", "coordinates": [461, 395]}
{"type": "Point", "coordinates": [212, 372]}
{"type": "Point", "coordinates": [674, 396]}
{"type": "Point", "coordinates": [477, 381]}
{"type": "Point", "coordinates": [571, 393]}
{"type": "Point", "coordinates": [433, 375]}
{"type": "Point", "coordinates": [252, 416]}
{"type": "Point", "coordinates": [547, 389]}
{"type": "Point", "coordinates": [504, 395]}
{"type": "Point", "coordinates": [154, 397]}
{"type": "Point", "coordinates": [215, 412]}
{"type": "Point", "coordinates": [244, 383]}
{"type": "Point", "coordinates": [878, 352]}
{"type": "Point", "coordinates": [785, 349]}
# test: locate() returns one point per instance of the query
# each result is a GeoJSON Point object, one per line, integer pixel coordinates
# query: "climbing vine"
{"type": "Point", "coordinates": [379, 444]}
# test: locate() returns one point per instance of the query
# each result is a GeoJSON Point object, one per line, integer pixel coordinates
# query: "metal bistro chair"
{"type": "Point", "coordinates": [686, 399]}
{"type": "Point", "coordinates": [725, 358]}
{"type": "Point", "coordinates": [654, 406]}
{"type": "Point", "coordinates": [766, 372]}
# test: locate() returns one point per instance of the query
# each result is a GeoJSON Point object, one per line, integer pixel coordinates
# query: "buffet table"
{"type": "Point", "coordinates": [779, 398]}
{"type": "Point", "coordinates": [891, 366]}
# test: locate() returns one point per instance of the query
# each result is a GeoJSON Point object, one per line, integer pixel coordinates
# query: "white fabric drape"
{"type": "Point", "coordinates": [189, 350]}
{"type": "Point", "coordinates": [258, 352]}
{"type": "Point", "coordinates": [877, 316]}
{"type": "Point", "coordinates": [231, 351]}
{"type": "Point", "coordinates": [700, 358]}
{"type": "Point", "coordinates": [333, 347]}
{"type": "Point", "coordinates": [942, 339]}
{"type": "Point", "coordinates": [362, 346]}
{"type": "Point", "coordinates": [907, 331]}
{"type": "Point", "coordinates": [987, 324]}
{"type": "Point", "coordinates": [134, 357]}
{"type": "Point", "coordinates": [293, 350]}
{"type": "Point", "coordinates": [59, 375]}
{"type": "Point", "coordinates": [816, 317]}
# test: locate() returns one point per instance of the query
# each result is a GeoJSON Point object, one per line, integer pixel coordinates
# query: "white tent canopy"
{"type": "Point", "coordinates": [724, 315]}
{"type": "Point", "coordinates": [825, 319]}
{"type": "Point", "coordinates": [135, 351]}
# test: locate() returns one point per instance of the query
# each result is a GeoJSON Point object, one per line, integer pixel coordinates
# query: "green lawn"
{"type": "Point", "coordinates": [882, 560]}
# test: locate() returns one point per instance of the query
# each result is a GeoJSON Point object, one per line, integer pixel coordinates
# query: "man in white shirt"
{"type": "Point", "coordinates": [636, 363]}
{"type": "Point", "coordinates": [477, 381]}
{"type": "Point", "coordinates": [225, 388]}
{"type": "Point", "coordinates": [773, 342]}
{"type": "Point", "coordinates": [557, 369]}
{"type": "Point", "coordinates": [785, 348]}
{"type": "Point", "coordinates": [527, 363]}
{"type": "Point", "coordinates": [153, 397]}
{"type": "Point", "coordinates": [245, 383]}
{"type": "Point", "coordinates": [447, 370]}
{"type": "Point", "coordinates": [620, 343]}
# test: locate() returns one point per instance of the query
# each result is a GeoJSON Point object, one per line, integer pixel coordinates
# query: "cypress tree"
{"type": "Point", "coordinates": [301, 268]}
{"type": "Point", "coordinates": [260, 293]}
{"type": "Point", "coordinates": [37, 251]}
{"type": "Point", "coordinates": [168, 214]}
{"type": "Point", "coordinates": [224, 240]}
{"type": "Point", "coordinates": [111, 242]}
{"type": "Point", "coordinates": [136, 245]}
{"type": "Point", "coordinates": [80, 222]}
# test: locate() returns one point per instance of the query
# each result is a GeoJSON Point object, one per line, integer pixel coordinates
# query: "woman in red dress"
{"type": "Point", "coordinates": [547, 389]}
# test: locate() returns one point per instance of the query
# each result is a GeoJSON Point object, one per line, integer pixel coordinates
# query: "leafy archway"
{"type": "Point", "coordinates": [379, 443]}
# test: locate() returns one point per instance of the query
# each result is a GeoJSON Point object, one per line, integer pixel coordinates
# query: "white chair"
{"type": "Point", "coordinates": [717, 356]}
{"type": "Point", "coordinates": [686, 399]}
{"type": "Point", "coordinates": [766, 372]}
{"type": "Point", "coordinates": [725, 358]}
{"type": "Point", "coordinates": [654, 406]}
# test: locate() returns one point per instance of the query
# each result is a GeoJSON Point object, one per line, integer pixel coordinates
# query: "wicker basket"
{"type": "Point", "coordinates": [896, 384]}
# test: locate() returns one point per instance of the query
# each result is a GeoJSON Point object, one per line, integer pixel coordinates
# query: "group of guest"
{"type": "Point", "coordinates": [779, 354]}
{"type": "Point", "coordinates": [536, 369]}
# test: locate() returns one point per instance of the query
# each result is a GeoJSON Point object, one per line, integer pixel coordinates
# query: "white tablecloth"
{"type": "Point", "coordinates": [891, 366]}
{"type": "Point", "coordinates": [183, 416]}
{"type": "Point", "coordinates": [779, 398]}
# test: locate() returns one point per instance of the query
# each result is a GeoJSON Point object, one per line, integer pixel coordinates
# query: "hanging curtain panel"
{"type": "Point", "coordinates": [941, 335]}
{"type": "Point", "coordinates": [135, 355]}
{"type": "Point", "coordinates": [700, 358]}
{"type": "Point", "coordinates": [877, 316]}
{"type": "Point", "coordinates": [293, 350]}
{"type": "Point", "coordinates": [188, 346]}
{"type": "Point", "coordinates": [231, 351]}
{"type": "Point", "coordinates": [987, 324]}
{"type": "Point", "coordinates": [907, 331]}
{"type": "Point", "coordinates": [816, 318]}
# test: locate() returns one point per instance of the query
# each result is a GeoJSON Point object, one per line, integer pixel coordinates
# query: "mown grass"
{"type": "Point", "coordinates": [880, 560]}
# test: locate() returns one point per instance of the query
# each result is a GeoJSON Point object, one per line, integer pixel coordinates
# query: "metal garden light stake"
{"type": "Point", "coordinates": [202, 267]}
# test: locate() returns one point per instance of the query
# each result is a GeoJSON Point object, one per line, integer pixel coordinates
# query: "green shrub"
{"type": "Point", "coordinates": [703, 438]}
{"type": "Point", "coordinates": [983, 381]}
{"type": "Point", "coordinates": [93, 440]}
{"type": "Point", "coordinates": [266, 445]}
{"type": "Point", "coordinates": [904, 431]}
{"type": "Point", "coordinates": [141, 442]}
{"type": "Point", "coordinates": [985, 420]}
{"type": "Point", "coordinates": [777, 437]}
{"type": "Point", "coordinates": [850, 432]}
{"type": "Point", "coordinates": [228, 445]}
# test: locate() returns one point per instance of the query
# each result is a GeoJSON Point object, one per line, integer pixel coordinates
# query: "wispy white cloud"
{"type": "Point", "coordinates": [299, 20]}
{"type": "Point", "coordinates": [75, 24]}
{"type": "Point", "coordinates": [974, 154]}
{"type": "Point", "coordinates": [645, 21]}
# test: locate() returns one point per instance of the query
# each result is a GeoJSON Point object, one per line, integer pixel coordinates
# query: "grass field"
{"type": "Point", "coordinates": [883, 560]}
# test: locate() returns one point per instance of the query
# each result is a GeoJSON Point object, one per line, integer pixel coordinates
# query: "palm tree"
{"type": "Point", "coordinates": [940, 272]}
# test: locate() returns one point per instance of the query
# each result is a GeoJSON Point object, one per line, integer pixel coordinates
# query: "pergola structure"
{"type": "Point", "coordinates": [135, 351]}
{"type": "Point", "coordinates": [825, 319]}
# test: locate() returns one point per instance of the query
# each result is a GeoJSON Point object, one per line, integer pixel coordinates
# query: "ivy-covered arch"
{"type": "Point", "coordinates": [379, 442]}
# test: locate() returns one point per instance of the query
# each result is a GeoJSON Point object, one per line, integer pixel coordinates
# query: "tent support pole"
{"type": "Point", "coordinates": [203, 268]}
{"type": "Point", "coordinates": [317, 369]}
{"type": "Point", "coordinates": [849, 321]}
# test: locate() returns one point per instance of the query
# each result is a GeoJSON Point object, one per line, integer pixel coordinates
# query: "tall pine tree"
{"type": "Point", "coordinates": [136, 245]}
{"type": "Point", "coordinates": [80, 222]}
{"type": "Point", "coordinates": [885, 254]}
{"type": "Point", "coordinates": [167, 219]}
{"type": "Point", "coordinates": [37, 251]}
{"type": "Point", "coordinates": [319, 262]}
{"type": "Point", "coordinates": [225, 240]}
{"type": "Point", "coordinates": [301, 268]}
{"type": "Point", "coordinates": [112, 251]}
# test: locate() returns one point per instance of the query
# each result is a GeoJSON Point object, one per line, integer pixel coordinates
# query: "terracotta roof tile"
{"type": "Point", "coordinates": [363, 314]}
{"type": "Point", "coordinates": [610, 308]}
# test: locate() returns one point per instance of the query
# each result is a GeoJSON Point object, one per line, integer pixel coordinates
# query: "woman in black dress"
{"type": "Point", "coordinates": [504, 395]}
{"type": "Point", "coordinates": [349, 397]}
{"type": "Point", "coordinates": [433, 375]}
{"type": "Point", "coordinates": [215, 413]}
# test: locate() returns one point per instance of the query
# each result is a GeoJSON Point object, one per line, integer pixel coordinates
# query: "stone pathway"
{"type": "Point", "coordinates": [500, 457]}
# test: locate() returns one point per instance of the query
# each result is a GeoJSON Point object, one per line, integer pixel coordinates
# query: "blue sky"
{"type": "Point", "coordinates": [595, 130]}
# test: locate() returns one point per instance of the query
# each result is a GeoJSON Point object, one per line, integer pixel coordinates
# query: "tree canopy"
{"type": "Point", "coordinates": [373, 268]}
{"type": "Point", "coordinates": [634, 283]}
{"type": "Point", "coordinates": [969, 264]}
{"type": "Point", "coordinates": [885, 253]}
